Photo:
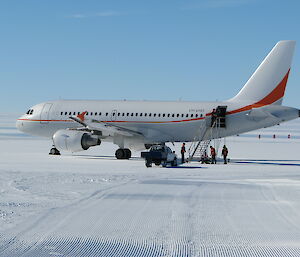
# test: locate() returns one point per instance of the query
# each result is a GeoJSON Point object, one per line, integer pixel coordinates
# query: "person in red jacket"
{"type": "Point", "coordinates": [182, 152]}
{"type": "Point", "coordinates": [213, 155]}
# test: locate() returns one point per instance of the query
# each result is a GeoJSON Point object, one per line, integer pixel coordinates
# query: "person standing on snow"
{"type": "Point", "coordinates": [225, 153]}
{"type": "Point", "coordinates": [182, 152]}
{"type": "Point", "coordinates": [213, 155]}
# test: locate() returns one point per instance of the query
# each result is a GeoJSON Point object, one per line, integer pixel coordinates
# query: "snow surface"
{"type": "Point", "coordinates": [89, 204]}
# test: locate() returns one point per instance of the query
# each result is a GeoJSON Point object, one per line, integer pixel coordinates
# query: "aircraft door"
{"type": "Point", "coordinates": [113, 115]}
{"type": "Point", "coordinates": [45, 113]}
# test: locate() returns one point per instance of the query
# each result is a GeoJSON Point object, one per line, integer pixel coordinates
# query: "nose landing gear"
{"type": "Point", "coordinates": [54, 151]}
{"type": "Point", "coordinates": [123, 154]}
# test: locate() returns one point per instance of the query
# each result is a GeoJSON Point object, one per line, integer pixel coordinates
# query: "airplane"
{"type": "Point", "coordinates": [77, 125]}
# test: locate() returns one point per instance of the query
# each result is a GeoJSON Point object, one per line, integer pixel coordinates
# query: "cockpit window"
{"type": "Point", "coordinates": [29, 112]}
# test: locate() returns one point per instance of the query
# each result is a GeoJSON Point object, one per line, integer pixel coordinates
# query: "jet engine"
{"type": "Point", "coordinates": [74, 141]}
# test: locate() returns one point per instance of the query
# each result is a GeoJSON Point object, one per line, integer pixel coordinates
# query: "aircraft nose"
{"type": "Point", "coordinates": [20, 124]}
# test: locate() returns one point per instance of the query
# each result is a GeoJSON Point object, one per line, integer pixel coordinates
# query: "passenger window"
{"type": "Point", "coordinates": [192, 115]}
{"type": "Point", "coordinates": [127, 113]}
{"type": "Point", "coordinates": [150, 114]}
{"type": "Point", "coordinates": [136, 114]}
{"type": "Point", "coordinates": [154, 114]}
{"type": "Point", "coordinates": [61, 113]}
{"type": "Point", "coordinates": [177, 114]}
{"type": "Point", "coordinates": [87, 113]}
{"type": "Point", "coordinates": [66, 113]}
{"type": "Point", "coordinates": [141, 114]}
{"type": "Point", "coordinates": [96, 113]}
{"type": "Point", "coordinates": [107, 114]}
{"type": "Point", "coordinates": [114, 113]}
{"type": "Point", "coordinates": [123, 114]}
{"type": "Point", "coordinates": [70, 113]}
{"type": "Point", "coordinates": [78, 113]}
{"type": "Point", "coordinates": [173, 115]}
{"type": "Point", "coordinates": [131, 114]}
{"type": "Point", "coordinates": [119, 114]}
{"type": "Point", "coordinates": [196, 115]}
{"type": "Point", "coordinates": [145, 114]}
{"type": "Point", "coordinates": [187, 115]}
{"type": "Point", "coordinates": [159, 115]}
{"type": "Point", "coordinates": [182, 115]}
{"type": "Point", "coordinates": [168, 114]}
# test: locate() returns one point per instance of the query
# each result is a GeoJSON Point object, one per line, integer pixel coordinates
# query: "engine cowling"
{"type": "Point", "coordinates": [74, 141]}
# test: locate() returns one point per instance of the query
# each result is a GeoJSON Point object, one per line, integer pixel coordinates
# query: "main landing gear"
{"type": "Point", "coordinates": [54, 151]}
{"type": "Point", "coordinates": [123, 154]}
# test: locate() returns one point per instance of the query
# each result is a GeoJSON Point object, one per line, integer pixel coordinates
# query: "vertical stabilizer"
{"type": "Point", "coordinates": [268, 82]}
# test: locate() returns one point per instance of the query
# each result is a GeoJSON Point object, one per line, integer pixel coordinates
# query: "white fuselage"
{"type": "Point", "coordinates": [157, 121]}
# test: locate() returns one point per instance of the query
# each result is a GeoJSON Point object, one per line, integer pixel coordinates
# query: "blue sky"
{"type": "Point", "coordinates": [152, 50]}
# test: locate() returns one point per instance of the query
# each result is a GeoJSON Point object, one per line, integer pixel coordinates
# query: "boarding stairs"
{"type": "Point", "coordinates": [199, 147]}
{"type": "Point", "coordinates": [208, 131]}
{"type": "Point", "coordinates": [199, 150]}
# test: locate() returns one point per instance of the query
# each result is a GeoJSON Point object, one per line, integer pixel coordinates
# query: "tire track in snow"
{"type": "Point", "coordinates": [167, 218]}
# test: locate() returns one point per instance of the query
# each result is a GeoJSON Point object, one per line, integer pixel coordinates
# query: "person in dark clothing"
{"type": "Point", "coordinates": [182, 152]}
{"type": "Point", "coordinates": [213, 117]}
{"type": "Point", "coordinates": [204, 158]}
{"type": "Point", "coordinates": [225, 153]}
{"type": "Point", "coordinates": [213, 155]}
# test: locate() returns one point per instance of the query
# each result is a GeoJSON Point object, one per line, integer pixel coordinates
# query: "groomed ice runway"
{"type": "Point", "coordinates": [89, 204]}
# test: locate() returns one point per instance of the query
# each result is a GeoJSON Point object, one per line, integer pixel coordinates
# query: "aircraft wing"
{"type": "Point", "coordinates": [102, 127]}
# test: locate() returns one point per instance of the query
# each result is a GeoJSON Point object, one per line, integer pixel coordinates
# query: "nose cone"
{"type": "Point", "coordinates": [20, 124]}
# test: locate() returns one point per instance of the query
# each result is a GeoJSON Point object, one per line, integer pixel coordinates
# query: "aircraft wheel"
{"type": "Point", "coordinates": [54, 151]}
{"type": "Point", "coordinates": [123, 154]}
{"type": "Point", "coordinates": [120, 154]}
{"type": "Point", "coordinates": [127, 153]}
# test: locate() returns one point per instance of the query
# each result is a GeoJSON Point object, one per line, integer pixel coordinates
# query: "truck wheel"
{"type": "Point", "coordinates": [157, 163]}
{"type": "Point", "coordinates": [148, 164]}
{"type": "Point", "coordinates": [174, 163]}
{"type": "Point", "coordinates": [164, 164]}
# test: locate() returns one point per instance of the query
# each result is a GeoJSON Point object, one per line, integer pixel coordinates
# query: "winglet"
{"type": "Point", "coordinates": [81, 115]}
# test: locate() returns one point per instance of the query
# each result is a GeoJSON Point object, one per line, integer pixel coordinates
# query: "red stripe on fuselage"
{"type": "Point", "coordinates": [119, 121]}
